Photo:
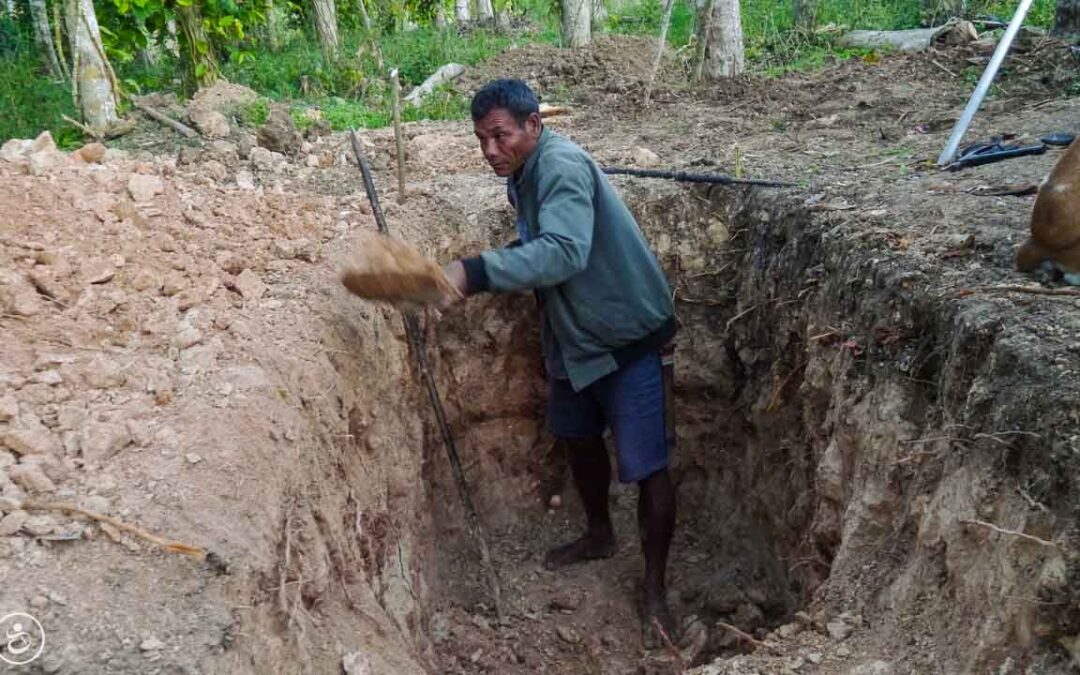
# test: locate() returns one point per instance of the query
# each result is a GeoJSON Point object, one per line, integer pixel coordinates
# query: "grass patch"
{"type": "Point", "coordinates": [31, 103]}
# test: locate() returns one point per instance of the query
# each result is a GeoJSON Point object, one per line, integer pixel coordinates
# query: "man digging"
{"type": "Point", "coordinates": [607, 315]}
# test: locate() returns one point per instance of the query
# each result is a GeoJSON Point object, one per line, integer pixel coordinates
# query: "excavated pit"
{"type": "Point", "coordinates": [841, 430]}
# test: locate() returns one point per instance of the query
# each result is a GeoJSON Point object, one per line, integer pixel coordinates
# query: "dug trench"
{"type": "Point", "coordinates": [847, 441]}
{"type": "Point", "coordinates": [877, 458]}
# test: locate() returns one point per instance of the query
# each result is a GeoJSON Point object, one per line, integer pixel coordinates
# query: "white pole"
{"type": "Point", "coordinates": [987, 79]}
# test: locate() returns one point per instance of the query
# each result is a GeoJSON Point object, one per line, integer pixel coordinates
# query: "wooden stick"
{"type": "Point", "coordinates": [416, 341]}
{"type": "Point", "coordinates": [174, 546]}
{"type": "Point", "coordinates": [547, 111]}
{"type": "Point", "coordinates": [395, 86]}
{"type": "Point", "coordinates": [182, 129]}
{"type": "Point", "coordinates": [742, 635]}
{"type": "Point", "coordinates": [1016, 288]}
{"type": "Point", "coordinates": [664, 23]}
{"type": "Point", "coordinates": [57, 38]}
{"type": "Point", "coordinates": [1014, 533]}
{"type": "Point", "coordinates": [83, 128]}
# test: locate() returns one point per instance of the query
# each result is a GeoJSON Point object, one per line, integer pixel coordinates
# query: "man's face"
{"type": "Point", "coordinates": [505, 143]}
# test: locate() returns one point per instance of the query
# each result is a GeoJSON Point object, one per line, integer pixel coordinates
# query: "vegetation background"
{"type": "Point", "coordinates": [275, 47]}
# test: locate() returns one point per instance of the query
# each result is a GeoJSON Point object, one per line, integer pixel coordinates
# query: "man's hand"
{"type": "Point", "coordinates": [455, 274]}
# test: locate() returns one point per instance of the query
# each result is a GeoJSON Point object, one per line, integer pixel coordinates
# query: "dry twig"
{"type": "Point", "coordinates": [66, 507]}
{"type": "Point", "coordinates": [666, 639]}
{"type": "Point", "coordinates": [743, 635]}
{"type": "Point", "coordinates": [1014, 533]}
{"type": "Point", "coordinates": [1016, 288]}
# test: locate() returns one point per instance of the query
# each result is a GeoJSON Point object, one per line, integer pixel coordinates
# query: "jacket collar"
{"type": "Point", "coordinates": [530, 164]}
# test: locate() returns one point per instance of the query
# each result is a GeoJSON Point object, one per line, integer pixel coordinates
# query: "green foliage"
{"type": "Point", "coordinates": [350, 92]}
{"type": "Point", "coordinates": [643, 18]}
{"type": "Point", "coordinates": [31, 103]}
{"type": "Point", "coordinates": [254, 114]}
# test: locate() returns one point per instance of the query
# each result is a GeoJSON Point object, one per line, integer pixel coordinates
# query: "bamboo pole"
{"type": "Point", "coordinates": [395, 86]}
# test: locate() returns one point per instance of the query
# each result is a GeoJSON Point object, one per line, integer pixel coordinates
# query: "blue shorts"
{"type": "Point", "coordinates": [631, 402]}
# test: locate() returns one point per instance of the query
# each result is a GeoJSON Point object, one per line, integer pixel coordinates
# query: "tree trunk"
{"type": "Point", "coordinates": [461, 10]}
{"type": "Point", "coordinates": [92, 75]}
{"type": "Point", "coordinates": [576, 22]}
{"type": "Point", "coordinates": [271, 25]}
{"type": "Point", "coordinates": [1067, 18]}
{"type": "Point", "coordinates": [43, 35]}
{"type": "Point", "coordinates": [326, 26]}
{"type": "Point", "coordinates": [172, 43]}
{"type": "Point", "coordinates": [599, 15]}
{"type": "Point", "coordinates": [804, 13]}
{"type": "Point", "coordinates": [723, 55]}
{"type": "Point", "coordinates": [440, 17]}
{"type": "Point", "coordinates": [201, 67]}
{"type": "Point", "coordinates": [485, 12]}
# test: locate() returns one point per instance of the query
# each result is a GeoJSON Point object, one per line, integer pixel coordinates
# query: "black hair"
{"type": "Point", "coordinates": [514, 96]}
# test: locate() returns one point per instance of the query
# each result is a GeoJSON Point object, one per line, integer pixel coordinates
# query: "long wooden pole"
{"type": "Point", "coordinates": [395, 86]}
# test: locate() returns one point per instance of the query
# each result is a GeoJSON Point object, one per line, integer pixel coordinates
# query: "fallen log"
{"type": "Point", "coordinates": [445, 73]}
{"type": "Point", "coordinates": [161, 118]}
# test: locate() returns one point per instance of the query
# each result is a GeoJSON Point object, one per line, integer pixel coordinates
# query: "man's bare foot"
{"type": "Point", "coordinates": [657, 612]}
{"type": "Point", "coordinates": [589, 547]}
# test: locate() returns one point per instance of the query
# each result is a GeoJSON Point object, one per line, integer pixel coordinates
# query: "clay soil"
{"type": "Point", "coordinates": [860, 403]}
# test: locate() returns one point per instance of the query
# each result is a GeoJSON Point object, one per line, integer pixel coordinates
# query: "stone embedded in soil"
{"type": "Point", "coordinates": [9, 408]}
{"type": "Point", "coordinates": [646, 158]}
{"type": "Point", "coordinates": [249, 285]}
{"type": "Point", "coordinates": [31, 441]}
{"type": "Point", "coordinates": [748, 617]}
{"type": "Point", "coordinates": [838, 630]}
{"type": "Point", "coordinates": [279, 132]}
{"type": "Point", "coordinates": [91, 153]}
{"type": "Point", "coordinates": [102, 440]}
{"type": "Point", "coordinates": [568, 600]}
{"type": "Point", "coordinates": [151, 644]}
{"type": "Point", "coordinates": [568, 634]}
{"type": "Point", "coordinates": [245, 180]}
{"type": "Point", "coordinates": [296, 249]}
{"type": "Point", "coordinates": [45, 161]}
{"type": "Point", "coordinates": [144, 279]}
{"type": "Point", "coordinates": [188, 337]}
{"type": "Point", "coordinates": [19, 301]}
{"type": "Point", "coordinates": [356, 663]}
{"type": "Point", "coordinates": [41, 525]}
{"type": "Point", "coordinates": [192, 458]}
{"type": "Point", "coordinates": [13, 522]}
{"type": "Point", "coordinates": [144, 188]}
{"type": "Point", "coordinates": [210, 123]}
{"type": "Point", "coordinates": [39, 602]}
{"type": "Point", "coordinates": [815, 657]}
{"type": "Point", "coordinates": [872, 668]}
{"type": "Point", "coordinates": [31, 478]}
{"type": "Point", "coordinates": [99, 271]}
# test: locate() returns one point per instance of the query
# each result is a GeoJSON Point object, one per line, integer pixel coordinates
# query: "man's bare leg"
{"type": "Point", "coordinates": [656, 521]}
{"type": "Point", "coordinates": [591, 469]}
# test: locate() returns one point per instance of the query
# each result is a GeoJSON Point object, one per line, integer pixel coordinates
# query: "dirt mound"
{"type": "Point", "coordinates": [615, 65]}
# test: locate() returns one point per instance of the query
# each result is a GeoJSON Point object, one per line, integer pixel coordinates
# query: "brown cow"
{"type": "Point", "coordinates": [1054, 243]}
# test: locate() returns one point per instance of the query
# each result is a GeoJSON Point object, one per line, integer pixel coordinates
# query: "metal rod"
{"type": "Point", "coordinates": [987, 79]}
{"type": "Point", "coordinates": [690, 177]}
{"type": "Point", "coordinates": [416, 341]}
